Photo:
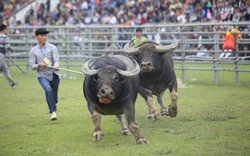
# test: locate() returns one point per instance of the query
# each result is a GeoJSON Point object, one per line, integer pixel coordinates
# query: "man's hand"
{"type": "Point", "coordinates": [56, 68]}
{"type": "Point", "coordinates": [12, 49]}
{"type": "Point", "coordinates": [42, 65]}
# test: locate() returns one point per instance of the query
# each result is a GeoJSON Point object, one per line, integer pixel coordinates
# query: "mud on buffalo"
{"type": "Point", "coordinates": [111, 87]}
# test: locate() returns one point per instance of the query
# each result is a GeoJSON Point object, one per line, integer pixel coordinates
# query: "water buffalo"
{"type": "Point", "coordinates": [111, 87]}
{"type": "Point", "coordinates": [156, 75]}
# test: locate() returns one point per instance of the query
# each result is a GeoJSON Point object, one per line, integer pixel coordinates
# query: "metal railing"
{"type": "Point", "coordinates": [98, 40]}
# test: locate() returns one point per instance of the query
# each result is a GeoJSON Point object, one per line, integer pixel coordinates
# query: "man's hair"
{"type": "Point", "coordinates": [2, 27]}
{"type": "Point", "coordinates": [138, 29]}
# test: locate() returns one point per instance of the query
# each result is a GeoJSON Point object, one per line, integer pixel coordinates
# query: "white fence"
{"type": "Point", "coordinates": [78, 44]}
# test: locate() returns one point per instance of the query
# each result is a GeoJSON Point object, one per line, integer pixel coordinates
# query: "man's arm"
{"type": "Point", "coordinates": [32, 60]}
{"type": "Point", "coordinates": [56, 58]}
{"type": "Point", "coordinates": [7, 44]}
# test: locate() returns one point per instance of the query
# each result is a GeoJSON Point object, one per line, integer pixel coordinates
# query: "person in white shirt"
{"type": "Point", "coordinates": [112, 19]}
{"type": "Point", "coordinates": [44, 59]}
{"type": "Point", "coordinates": [4, 44]}
{"type": "Point", "coordinates": [202, 52]}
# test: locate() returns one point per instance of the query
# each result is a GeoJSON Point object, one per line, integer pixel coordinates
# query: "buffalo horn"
{"type": "Point", "coordinates": [168, 48]}
{"type": "Point", "coordinates": [130, 50]}
{"type": "Point", "coordinates": [130, 73]}
{"type": "Point", "coordinates": [87, 71]}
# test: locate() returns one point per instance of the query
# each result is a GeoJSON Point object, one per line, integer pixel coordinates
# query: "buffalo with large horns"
{"type": "Point", "coordinates": [156, 75]}
{"type": "Point", "coordinates": [111, 87]}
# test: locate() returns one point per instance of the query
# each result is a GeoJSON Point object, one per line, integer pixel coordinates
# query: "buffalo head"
{"type": "Point", "coordinates": [109, 79]}
{"type": "Point", "coordinates": [149, 54]}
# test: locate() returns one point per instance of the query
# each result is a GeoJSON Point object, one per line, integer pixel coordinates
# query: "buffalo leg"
{"type": "Point", "coordinates": [134, 128]}
{"type": "Point", "coordinates": [152, 111]}
{"type": "Point", "coordinates": [98, 134]}
{"type": "Point", "coordinates": [164, 110]}
{"type": "Point", "coordinates": [173, 110]}
{"type": "Point", "coordinates": [125, 130]}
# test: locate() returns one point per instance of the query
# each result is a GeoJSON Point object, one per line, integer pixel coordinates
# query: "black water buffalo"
{"type": "Point", "coordinates": [111, 87]}
{"type": "Point", "coordinates": [156, 75]}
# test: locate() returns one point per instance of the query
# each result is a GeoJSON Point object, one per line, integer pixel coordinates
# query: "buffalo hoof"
{"type": "Point", "coordinates": [173, 111]}
{"type": "Point", "coordinates": [164, 111]}
{"type": "Point", "coordinates": [97, 136]}
{"type": "Point", "coordinates": [142, 141]}
{"type": "Point", "coordinates": [154, 117]}
{"type": "Point", "coordinates": [150, 116]}
{"type": "Point", "coordinates": [125, 132]}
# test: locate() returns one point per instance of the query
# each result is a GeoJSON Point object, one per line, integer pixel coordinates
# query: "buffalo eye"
{"type": "Point", "coordinates": [116, 78]}
{"type": "Point", "coordinates": [152, 53]}
{"type": "Point", "coordinates": [139, 55]}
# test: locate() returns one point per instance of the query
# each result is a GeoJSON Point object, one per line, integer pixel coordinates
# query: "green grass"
{"type": "Point", "coordinates": [212, 120]}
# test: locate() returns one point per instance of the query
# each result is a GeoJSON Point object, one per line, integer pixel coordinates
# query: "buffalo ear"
{"type": "Point", "coordinates": [163, 54]}
{"type": "Point", "coordinates": [133, 57]}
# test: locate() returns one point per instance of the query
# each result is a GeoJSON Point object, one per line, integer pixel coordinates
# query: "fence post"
{"type": "Point", "coordinates": [68, 52]}
{"type": "Point", "coordinates": [27, 50]}
{"type": "Point", "coordinates": [236, 63]}
{"type": "Point", "coordinates": [83, 48]}
{"type": "Point", "coordinates": [216, 57]}
{"type": "Point", "coordinates": [90, 42]}
{"type": "Point", "coordinates": [183, 74]}
{"type": "Point", "coordinates": [112, 39]}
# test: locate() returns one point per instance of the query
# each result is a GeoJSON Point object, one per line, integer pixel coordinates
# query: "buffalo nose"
{"type": "Point", "coordinates": [105, 91]}
{"type": "Point", "coordinates": [145, 64]}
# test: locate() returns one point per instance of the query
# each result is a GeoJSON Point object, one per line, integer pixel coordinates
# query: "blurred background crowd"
{"type": "Point", "coordinates": [127, 12]}
{"type": "Point", "coordinates": [131, 13]}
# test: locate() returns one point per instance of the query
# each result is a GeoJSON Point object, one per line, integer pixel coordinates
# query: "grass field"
{"type": "Point", "coordinates": [213, 120]}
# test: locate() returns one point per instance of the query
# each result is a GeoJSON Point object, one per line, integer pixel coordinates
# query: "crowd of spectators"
{"type": "Point", "coordinates": [139, 12]}
{"type": "Point", "coordinates": [7, 7]}
{"type": "Point", "coordinates": [136, 12]}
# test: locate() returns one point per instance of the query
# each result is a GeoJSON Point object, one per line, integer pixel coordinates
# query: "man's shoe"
{"type": "Point", "coordinates": [14, 84]}
{"type": "Point", "coordinates": [53, 116]}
